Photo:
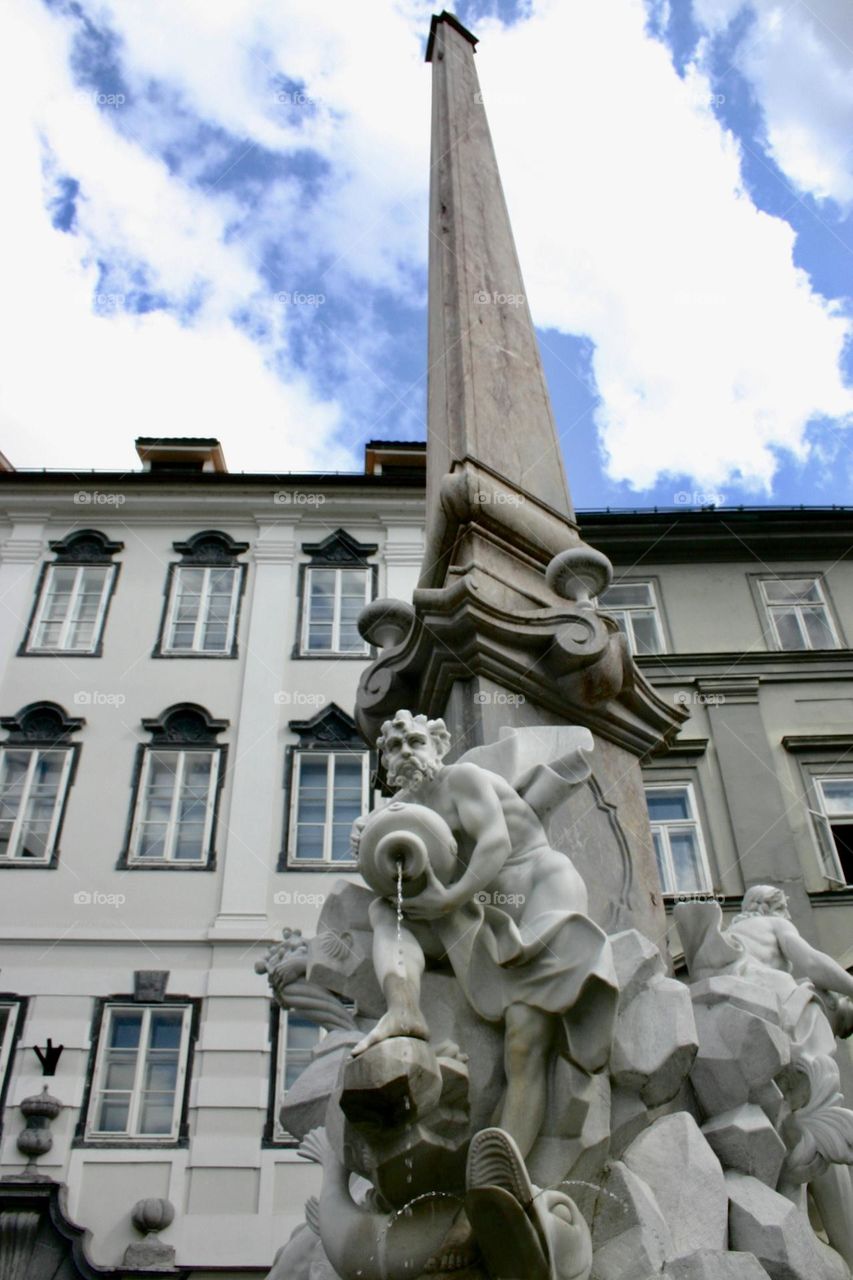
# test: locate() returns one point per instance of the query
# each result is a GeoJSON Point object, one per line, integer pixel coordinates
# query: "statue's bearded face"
{"type": "Point", "coordinates": [410, 756]}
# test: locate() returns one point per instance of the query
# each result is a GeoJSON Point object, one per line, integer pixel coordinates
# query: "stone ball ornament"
{"type": "Point", "coordinates": [152, 1215]}
{"type": "Point", "coordinates": [409, 838]}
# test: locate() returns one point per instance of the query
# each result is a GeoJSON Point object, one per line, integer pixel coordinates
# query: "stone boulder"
{"type": "Point", "coordinates": [739, 1055]}
{"type": "Point", "coordinates": [630, 1238]}
{"type": "Point", "coordinates": [778, 1233]}
{"type": "Point", "coordinates": [573, 1147]}
{"type": "Point", "coordinates": [710, 1264]}
{"type": "Point", "coordinates": [674, 1159]}
{"type": "Point", "coordinates": [655, 1042]}
{"type": "Point", "coordinates": [638, 962]}
{"type": "Point", "coordinates": [744, 1140]}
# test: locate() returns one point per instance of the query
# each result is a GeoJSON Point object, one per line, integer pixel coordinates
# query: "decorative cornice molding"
{"type": "Point", "coordinates": [210, 547]}
{"type": "Point", "coordinates": [329, 727]}
{"type": "Point", "coordinates": [808, 742]}
{"type": "Point", "coordinates": [22, 550]}
{"type": "Point", "coordinates": [85, 546]}
{"type": "Point", "coordinates": [568, 659]}
{"type": "Point", "coordinates": [184, 723]}
{"type": "Point", "coordinates": [276, 541]}
{"type": "Point", "coordinates": [679, 750]}
{"type": "Point", "coordinates": [716, 690]}
{"type": "Point", "coordinates": [41, 724]}
{"type": "Point", "coordinates": [340, 548]}
{"type": "Point", "coordinates": [768, 664]}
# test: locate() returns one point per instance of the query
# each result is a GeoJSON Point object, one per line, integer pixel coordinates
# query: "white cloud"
{"type": "Point", "coordinates": [82, 384]}
{"type": "Point", "coordinates": [711, 348]}
{"type": "Point", "coordinates": [798, 59]}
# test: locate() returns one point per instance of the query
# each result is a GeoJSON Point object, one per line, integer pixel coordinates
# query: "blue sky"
{"type": "Point", "coordinates": [216, 224]}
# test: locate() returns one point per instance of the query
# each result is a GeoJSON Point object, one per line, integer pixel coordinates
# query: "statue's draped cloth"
{"type": "Point", "coordinates": [541, 954]}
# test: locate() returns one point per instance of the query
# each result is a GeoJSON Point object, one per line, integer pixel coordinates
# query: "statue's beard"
{"type": "Point", "coordinates": [413, 774]}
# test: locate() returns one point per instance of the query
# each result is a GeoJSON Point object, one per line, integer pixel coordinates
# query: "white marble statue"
{"type": "Point", "coordinates": [812, 1003]}
{"type": "Point", "coordinates": [510, 919]}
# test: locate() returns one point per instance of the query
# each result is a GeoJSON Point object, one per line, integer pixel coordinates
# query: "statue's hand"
{"type": "Point", "coordinates": [289, 970]}
{"type": "Point", "coordinates": [356, 834]}
{"type": "Point", "coordinates": [432, 902]}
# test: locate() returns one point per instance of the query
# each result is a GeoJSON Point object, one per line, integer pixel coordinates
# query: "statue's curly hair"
{"type": "Point", "coordinates": [762, 899]}
{"type": "Point", "coordinates": [436, 729]}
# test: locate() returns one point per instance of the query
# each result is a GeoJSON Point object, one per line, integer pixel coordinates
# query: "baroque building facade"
{"type": "Point", "coordinates": [180, 770]}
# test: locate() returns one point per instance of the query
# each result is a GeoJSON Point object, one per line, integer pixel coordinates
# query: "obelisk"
{"type": "Point", "coordinates": [504, 630]}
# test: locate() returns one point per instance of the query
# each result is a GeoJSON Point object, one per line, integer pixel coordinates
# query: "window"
{"type": "Point", "coordinates": [8, 1025]}
{"type": "Point", "coordinates": [32, 789]}
{"type": "Point", "coordinates": [73, 596]}
{"type": "Point", "coordinates": [12, 1010]}
{"type": "Point", "coordinates": [36, 767]}
{"type": "Point", "coordinates": [71, 611]}
{"type": "Point", "coordinates": [334, 599]}
{"type": "Point", "coordinates": [140, 1072]}
{"type": "Point", "coordinates": [203, 610]}
{"type": "Point", "coordinates": [634, 608]}
{"type": "Point", "coordinates": [677, 838]}
{"type": "Point", "coordinates": [335, 587]}
{"type": "Point", "coordinates": [328, 786]}
{"type": "Point", "coordinates": [835, 795]}
{"type": "Point", "coordinates": [297, 1040]}
{"type": "Point", "coordinates": [798, 613]}
{"type": "Point", "coordinates": [203, 598]}
{"type": "Point", "coordinates": [329, 793]}
{"type": "Point", "coordinates": [179, 777]}
{"type": "Point", "coordinates": [175, 806]}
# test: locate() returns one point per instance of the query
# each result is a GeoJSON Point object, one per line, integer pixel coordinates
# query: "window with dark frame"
{"type": "Point", "coordinates": [327, 788]}
{"type": "Point", "coordinates": [140, 1069]}
{"type": "Point", "coordinates": [336, 584]}
{"type": "Point", "coordinates": [294, 1042]}
{"type": "Point", "coordinates": [179, 778]}
{"type": "Point", "coordinates": [37, 762]}
{"type": "Point", "coordinates": [329, 792]}
{"type": "Point", "coordinates": [203, 598]}
{"type": "Point", "coordinates": [634, 606]}
{"type": "Point", "coordinates": [798, 613]}
{"type": "Point", "coordinates": [835, 794]}
{"type": "Point", "coordinates": [73, 596]}
{"type": "Point", "coordinates": [677, 838]}
{"type": "Point", "coordinates": [10, 1011]}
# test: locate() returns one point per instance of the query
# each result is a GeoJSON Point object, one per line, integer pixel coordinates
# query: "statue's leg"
{"type": "Point", "coordinates": [833, 1194]}
{"type": "Point", "coordinates": [528, 1039]}
{"type": "Point", "coordinates": [399, 964]}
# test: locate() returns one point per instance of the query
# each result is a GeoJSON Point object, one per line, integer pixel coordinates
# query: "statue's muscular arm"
{"type": "Point", "coordinates": [480, 815]}
{"type": "Point", "coordinates": [807, 962]}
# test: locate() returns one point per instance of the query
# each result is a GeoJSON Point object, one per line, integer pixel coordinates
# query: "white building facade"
{"type": "Point", "coordinates": [179, 776]}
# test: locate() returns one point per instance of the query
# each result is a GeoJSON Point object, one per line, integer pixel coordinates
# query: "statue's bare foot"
{"type": "Point", "coordinates": [458, 1251]}
{"type": "Point", "coordinates": [408, 1022]}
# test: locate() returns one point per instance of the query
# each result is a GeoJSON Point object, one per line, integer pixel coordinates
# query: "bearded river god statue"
{"type": "Point", "coordinates": [503, 1091]}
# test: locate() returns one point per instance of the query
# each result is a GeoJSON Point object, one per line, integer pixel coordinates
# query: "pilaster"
{"type": "Point", "coordinates": [250, 843]}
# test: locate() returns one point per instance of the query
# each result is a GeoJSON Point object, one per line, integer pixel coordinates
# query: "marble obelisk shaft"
{"type": "Point", "coordinates": [487, 394]}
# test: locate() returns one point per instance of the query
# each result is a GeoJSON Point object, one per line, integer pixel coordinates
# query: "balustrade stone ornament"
{"type": "Point", "coordinates": [35, 1139]}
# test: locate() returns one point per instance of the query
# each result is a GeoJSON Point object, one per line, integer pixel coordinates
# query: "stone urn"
{"type": "Point", "coordinates": [403, 839]}
{"type": "Point", "coordinates": [151, 1216]}
{"type": "Point", "coordinates": [39, 1110]}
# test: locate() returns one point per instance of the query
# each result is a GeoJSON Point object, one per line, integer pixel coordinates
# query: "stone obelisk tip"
{"type": "Point", "coordinates": [452, 21]}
